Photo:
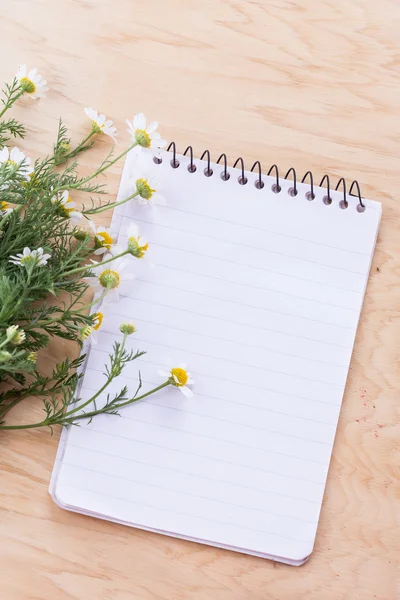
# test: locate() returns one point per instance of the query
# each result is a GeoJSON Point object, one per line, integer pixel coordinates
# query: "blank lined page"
{"type": "Point", "coordinates": [260, 294]}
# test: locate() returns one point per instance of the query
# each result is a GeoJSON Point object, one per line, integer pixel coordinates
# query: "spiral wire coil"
{"type": "Point", "coordinates": [259, 183]}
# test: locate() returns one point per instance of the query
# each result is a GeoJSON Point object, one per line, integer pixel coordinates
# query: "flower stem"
{"type": "Point", "coordinates": [95, 301]}
{"type": "Point", "coordinates": [93, 413]}
{"type": "Point", "coordinates": [88, 415]}
{"type": "Point", "coordinates": [14, 92]}
{"type": "Point", "coordinates": [103, 387]}
{"type": "Point", "coordinates": [153, 391]}
{"type": "Point", "coordinates": [96, 211]}
{"type": "Point", "coordinates": [105, 166]}
{"type": "Point", "coordinates": [67, 313]}
{"type": "Point", "coordinates": [94, 265]}
{"type": "Point", "coordinates": [79, 147]}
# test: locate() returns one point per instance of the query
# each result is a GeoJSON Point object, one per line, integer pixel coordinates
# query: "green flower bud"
{"type": "Point", "coordinates": [127, 328]}
{"type": "Point", "coordinates": [32, 357]}
{"type": "Point", "coordinates": [4, 355]}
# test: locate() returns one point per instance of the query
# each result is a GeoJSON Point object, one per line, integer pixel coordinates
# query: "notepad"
{"type": "Point", "coordinates": [259, 291]}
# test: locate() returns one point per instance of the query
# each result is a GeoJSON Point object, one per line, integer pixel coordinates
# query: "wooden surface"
{"type": "Point", "coordinates": [312, 84]}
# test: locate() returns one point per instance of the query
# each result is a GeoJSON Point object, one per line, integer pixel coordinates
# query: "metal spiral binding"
{"type": "Point", "coordinates": [276, 187]}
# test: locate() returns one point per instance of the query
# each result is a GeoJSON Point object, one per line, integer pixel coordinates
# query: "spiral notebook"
{"type": "Point", "coordinates": [258, 283]}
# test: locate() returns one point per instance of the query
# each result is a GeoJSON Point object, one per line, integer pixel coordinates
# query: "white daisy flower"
{"type": "Point", "coordinates": [109, 277]}
{"type": "Point", "coordinates": [137, 245]}
{"type": "Point", "coordinates": [97, 322]}
{"type": "Point", "coordinates": [103, 240]}
{"type": "Point", "coordinates": [148, 190]}
{"type": "Point", "coordinates": [84, 230]}
{"type": "Point", "coordinates": [15, 335]}
{"type": "Point", "coordinates": [66, 207]}
{"type": "Point", "coordinates": [5, 208]}
{"type": "Point", "coordinates": [91, 331]}
{"type": "Point", "coordinates": [145, 136]}
{"type": "Point", "coordinates": [180, 378]}
{"type": "Point", "coordinates": [15, 157]}
{"type": "Point", "coordinates": [100, 123]}
{"type": "Point", "coordinates": [30, 257]}
{"type": "Point", "coordinates": [34, 85]}
{"type": "Point", "coordinates": [147, 186]}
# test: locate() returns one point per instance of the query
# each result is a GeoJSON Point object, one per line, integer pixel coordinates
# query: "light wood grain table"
{"type": "Point", "coordinates": [311, 84]}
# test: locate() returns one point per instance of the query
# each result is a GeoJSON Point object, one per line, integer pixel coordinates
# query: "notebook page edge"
{"type": "Point", "coordinates": [118, 214]}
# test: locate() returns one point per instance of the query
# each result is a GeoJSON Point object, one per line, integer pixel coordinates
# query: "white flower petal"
{"type": "Point", "coordinates": [139, 121]}
{"type": "Point", "coordinates": [186, 391]}
{"type": "Point", "coordinates": [133, 230]}
{"type": "Point", "coordinates": [91, 113]}
{"type": "Point", "coordinates": [151, 127]}
{"type": "Point", "coordinates": [4, 154]}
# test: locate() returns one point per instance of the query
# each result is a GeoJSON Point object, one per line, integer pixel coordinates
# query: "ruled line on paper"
{"type": "Point", "coordinates": [237, 443]}
{"type": "Point", "coordinates": [119, 335]}
{"type": "Point", "coordinates": [217, 459]}
{"type": "Point", "coordinates": [225, 420]}
{"type": "Point", "coordinates": [186, 514]}
{"type": "Point", "coordinates": [248, 385]}
{"type": "Point", "coordinates": [270, 291]}
{"type": "Point", "coordinates": [214, 479]}
{"type": "Point", "coordinates": [166, 489]}
{"type": "Point", "coordinates": [213, 337]}
{"type": "Point", "coordinates": [250, 266]}
{"type": "Point", "coordinates": [244, 305]}
{"type": "Point", "coordinates": [258, 327]}
{"type": "Point", "coordinates": [187, 493]}
{"type": "Point", "coordinates": [267, 251]}
{"type": "Point", "coordinates": [234, 402]}
{"type": "Point", "coordinates": [238, 224]}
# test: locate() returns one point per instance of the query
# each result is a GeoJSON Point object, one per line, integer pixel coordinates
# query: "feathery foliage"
{"type": "Point", "coordinates": [44, 265]}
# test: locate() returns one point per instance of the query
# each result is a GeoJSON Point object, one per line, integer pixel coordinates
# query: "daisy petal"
{"type": "Point", "coordinates": [139, 121]}
{"type": "Point", "coordinates": [186, 392]}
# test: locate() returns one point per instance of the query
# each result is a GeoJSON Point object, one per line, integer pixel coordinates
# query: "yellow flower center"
{"type": "Point", "coordinates": [97, 320]}
{"type": "Point", "coordinates": [66, 212]}
{"type": "Point", "coordinates": [12, 163]}
{"type": "Point", "coordinates": [142, 138]}
{"type": "Point", "coordinates": [109, 279]}
{"type": "Point", "coordinates": [63, 209]}
{"type": "Point", "coordinates": [64, 147]}
{"type": "Point", "coordinates": [97, 128]}
{"type": "Point", "coordinates": [103, 240]}
{"type": "Point", "coordinates": [3, 205]}
{"type": "Point", "coordinates": [179, 376]}
{"type": "Point", "coordinates": [143, 189]}
{"type": "Point", "coordinates": [32, 356]}
{"type": "Point", "coordinates": [28, 85]}
{"type": "Point", "coordinates": [135, 248]}
{"type": "Point", "coordinates": [26, 260]}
